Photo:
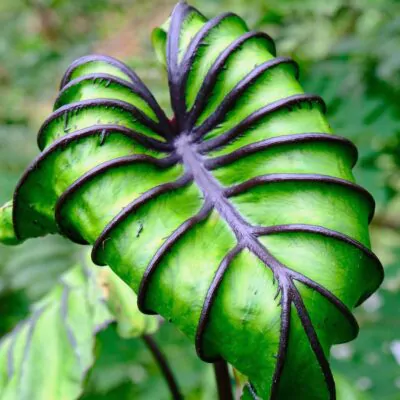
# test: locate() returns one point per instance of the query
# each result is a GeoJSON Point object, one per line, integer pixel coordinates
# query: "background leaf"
{"type": "Point", "coordinates": [48, 355]}
{"type": "Point", "coordinates": [121, 301]}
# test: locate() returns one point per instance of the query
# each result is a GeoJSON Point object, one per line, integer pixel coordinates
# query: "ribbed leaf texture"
{"type": "Point", "coordinates": [238, 219]}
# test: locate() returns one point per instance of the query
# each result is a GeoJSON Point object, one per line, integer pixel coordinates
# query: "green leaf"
{"type": "Point", "coordinates": [238, 219]}
{"type": "Point", "coordinates": [48, 355]}
{"type": "Point", "coordinates": [35, 267]}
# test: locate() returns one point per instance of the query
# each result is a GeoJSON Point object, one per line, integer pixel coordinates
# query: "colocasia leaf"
{"type": "Point", "coordinates": [238, 219]}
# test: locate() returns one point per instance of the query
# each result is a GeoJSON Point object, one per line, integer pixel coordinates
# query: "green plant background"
{"type": "Point", "coordinates": [348, 51]}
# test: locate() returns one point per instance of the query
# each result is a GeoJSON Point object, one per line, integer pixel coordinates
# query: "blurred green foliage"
{"type": "Point", "coordinates": [348, 51]}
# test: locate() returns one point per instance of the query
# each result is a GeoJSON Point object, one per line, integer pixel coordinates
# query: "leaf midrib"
{"type": "Point", "coordinates": [215, 195]}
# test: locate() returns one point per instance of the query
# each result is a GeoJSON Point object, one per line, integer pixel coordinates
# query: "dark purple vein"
{"type": "Point", "coordinates": [283, 339]}
{"type": "Point", "coordinates": [135, 88]}
{"type": "Point", "coordinates": [314, 341]}
{"type": "Point", "coordinates": [320, 230]}
{"type": "Point", "coordinates": [178, 15]}
{"type": "Point", "coordinates": [254, 118]}
{"type": "Point", "coordinates": [103, 131]}
{"type": "Point", "coordinates": [162, 252]}
{"type": "Point", "coordinates": [216, 68]}
{"type": "Point", "coordinates": [265, 144]}
{"type": "Point", "coordinates": [94, 173]}
{"type": "Point", "coordinates": [209, 301]}
{"type": "Point", "coordinates": [132, 207]}
{"type": "Point", "coordinates": [282, 271]}
{"type": "Point", "coordinates": [231, 98]}
{"type": "Point", "coordinates": [309, 282]}
{"type": "Point", "coordinates": [138, 115]}
{"type": "Point", "coordinates": [312, 178]}
{"type": "Point", "coordinates": [191, 52]}
{"type": "Point", "coordinates": [62, 143]}
{"type": "Point", "coordinates": [99, 58]}
{"type": "Point", "coordinates": [284, 277]}
{"type": "Point", "coordinates": [335, 301]}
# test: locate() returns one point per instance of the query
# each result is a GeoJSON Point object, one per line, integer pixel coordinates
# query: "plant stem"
{"type": "Point", "coordinates": [223, 380]}
{"type": "Point", "coordinates": [164, 367]}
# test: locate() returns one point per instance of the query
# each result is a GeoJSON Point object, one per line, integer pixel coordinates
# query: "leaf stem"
{"type": "Point", "coordinates": [164, 367]}
{"type": "Point", "coordinates": [223, 380]}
